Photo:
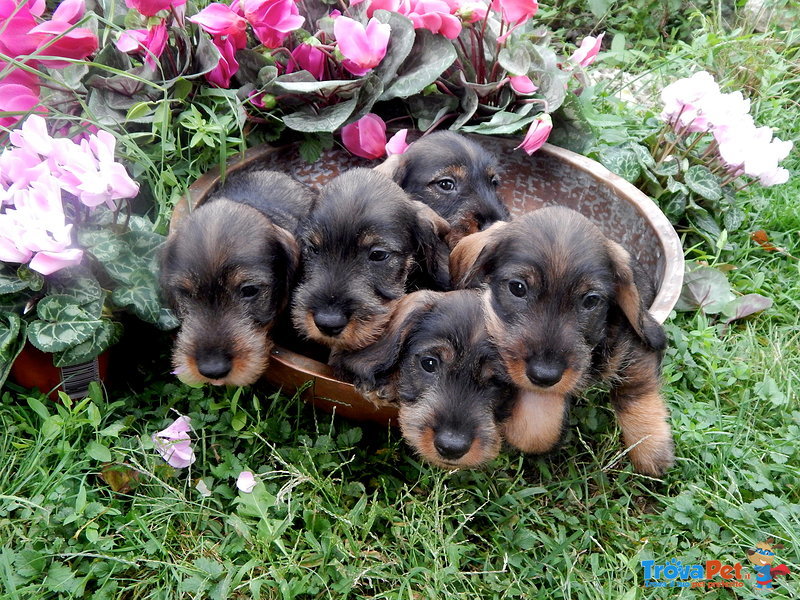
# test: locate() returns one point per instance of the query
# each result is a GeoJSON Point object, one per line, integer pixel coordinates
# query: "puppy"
{"type": "Point", "coordinates": [453, 175]}
{"type": "Point", "coordinates": [362, 244]}
{"type": "Point", "coordinates": [227, 271]}
{"type": "Point", "coordinates": [567, 307]}
{"type": "Point", "coordinates": [438, 363]}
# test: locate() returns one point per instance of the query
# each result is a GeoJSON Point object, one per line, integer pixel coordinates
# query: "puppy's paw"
{"type": "Point", "coordinates": [653, 455]}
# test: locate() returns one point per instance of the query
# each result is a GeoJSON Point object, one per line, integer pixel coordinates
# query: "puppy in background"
{"type": "Point", "coordinates": [568, 307]}
{"type": "Point", "coordinates": [453, 175]}
{"type": "Point", "coordinates": [363, 246]}
{"type": "Point", "coordinates": [227, 272]}
{"type": "Point", "coordinates": [437, 362]}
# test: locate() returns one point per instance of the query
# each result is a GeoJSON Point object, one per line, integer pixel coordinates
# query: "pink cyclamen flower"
{"type": "Point", "coordinates": [150, 42]}
{"type": "Point", "coordinates": [246, 482]}
{"type": "Point", "coordinates": [58, 38]}
{"type": "Point", "coordinates": [537, 134]}
{"type": "Point", "coordinates": [150, 8]}
{"type": "Point", "coordinates": [515, 12]}
{"type": "Point", "coordinates": [174, 444]}
{"type": "Point", "coordinates": [397, 143]}
{"type": "Point", "coordinates": [682, 101]}
{"type": "Point", "coordinates": [220, 20]}
{"type": "Point", "coordinates": [48, 263]}
{"type": "Point", "coordinates": [587, 52]}
{"type": "Point", "coordinates": [16, 20]}
{"type": "Point", "coordinates": [16, 98]}
{"type": "Point", "coordinates": [227, 66]}
{"type": "Point", "coordinates": [363, 48]}
{"type": "Point", "coordinates": [272, 20]}
{"type": "Point", "coordinates": [366, 137]}
{"type": "Point", "coordinates": [70, 11]}
{"type": "Point", "coordinates": [470, 11]}
{"type": "Point", "coordinates": [434, 15]}
{"type": "Point", "coordinates": [309, 58]}
{"type": "Point", "coordinates": [522, 84]}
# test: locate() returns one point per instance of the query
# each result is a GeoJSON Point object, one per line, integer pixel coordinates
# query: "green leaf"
{"type": "Point", "coordinates": [400, 43]}
{"type": "Point", "coordinates": [702, 182]}
{"type": "Point", "coordinates": [429, 57]}
{"type": "Point", "coordinates": [103, 244]}
{"type": "Point", "coordinates": [310, 149]}
{"type": "Point", "coordinates": [328, 119]}
{"type": "Point", "coordinates": [61, 579]}
{"type": "Point", "coordinates": [12, 340]}
{"type": "Point", "coordinates": [140, 295]}
{"type": "Point", "coordinates": [623, 161]}
{"type": "Point", "coordinates": [668, 167]}
{"type": "Point", "coordinates": [64, 323]}
{"type": "Point", "coordinates": [238, 421]}
{"type": "Point", "coordinates": [571, 128]}
{"type": "Point", "coordinates": [733, 218]}
{"type": "Point", "coordinates": [303, 82]}
{"type": "Point", "coordinates": [516, 59]}
{"type": "Point", "coordinates": [167, 319]}
{"type": "Point", "coordinates": [502, 122]}
{"type": "Point", "coordinates": [98, 451]}
{"type": "Point", "coordinates": [105, 336]}
{"type": "Point", "coordinates": [34, 280]}
{"type": "Point", "coordinates": [10, 281]}
{"type": "Point", "coordinates": [746, 305]}
{"type": "Point", "coordinates": [469, 104]}
{"type": "Point", "coordinates": [705, 288]}
{"type": "Point", "coordinates": [78, 283]}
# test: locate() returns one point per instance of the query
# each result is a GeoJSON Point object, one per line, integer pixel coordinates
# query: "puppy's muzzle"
{"type": "Point", "coordinates": [213, 364]}
{"type": "Point", "coordinates": [451, 444]}
{"type": "Point", "coordinates": [330, 321]}
{"type": "Point", "coordinates": [545, 373]}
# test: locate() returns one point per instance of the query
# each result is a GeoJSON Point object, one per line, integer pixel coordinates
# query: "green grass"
{"type": "Point", "coordinates": [346, 511]}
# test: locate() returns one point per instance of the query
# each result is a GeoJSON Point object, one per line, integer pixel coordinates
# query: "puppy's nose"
{"type": "Point", "coordinates": [451, 445]}
{"type": "Point", "coordinates": [543, 373]}
{"type": "Point", "coordinates": [330, 321]}
{"type": "Point", "coordinates": [214, 366]}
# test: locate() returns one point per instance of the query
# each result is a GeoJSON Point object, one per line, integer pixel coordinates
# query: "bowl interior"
{"type": "Point", "coordinates": [552, 176]}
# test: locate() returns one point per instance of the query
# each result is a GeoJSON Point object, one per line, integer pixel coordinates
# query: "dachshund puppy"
{"type": "Point", "coordinates": [438, 363]}
{"type": "Point", "coordinates": [362, 243]}
{"type": "Point", "coordinates": [455, 177]}
{"type": "Point", "coordinates": [227, 271]}
{"type": "Point", "coordinates": [567, 307]}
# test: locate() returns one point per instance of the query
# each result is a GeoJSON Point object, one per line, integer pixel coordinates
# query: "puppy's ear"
{"type": "Point", "coordinates": [285, 261]}
{"type": "Point", "coordinates": [433, 253]}
{"type": "Point", "coordinates": [472, 255]}
{"type": "Point", "coordinates": [166, 259]}
{"type": "Point", "coordinates": [373, 366]}
{"type": "Point", "coordinates": [394, 167]}
{"type": "Point", "coordinates": [629, 279]}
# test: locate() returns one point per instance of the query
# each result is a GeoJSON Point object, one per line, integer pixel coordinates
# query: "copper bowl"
{"type": "Point", "coordinates": [551, 176]}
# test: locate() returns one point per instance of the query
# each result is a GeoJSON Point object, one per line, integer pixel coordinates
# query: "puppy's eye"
{"type": "Point", "coordinates": [495, 181]}
{"type": "Point", "coordinates": [429, 363]}
{"type": "Point", "coordinates": [447, 184]}
{"type": "Point", "coordinates": [378, 254]}
{"type": "Point", "coordinates": [591, 301]}
{"type": "Point", "coordinates": [517, 288]}
{"type": "Point", "coordinates": [248, 291]}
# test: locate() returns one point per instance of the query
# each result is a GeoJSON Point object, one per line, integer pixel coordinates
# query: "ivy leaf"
{"type": "Point", "coordinates": [703, 183]}
{"type": "Point", "coordinates": [101, 339]}
{"type": "Point", "coordinates": [668, 167]}
{"type": "Point", "coordinates": [502, 122]}
{"type": "Point", "coordinates": [400, 43]}
{"type": "Point", "coordinates": [328, 119]}
{"type": "Point", "coordinates": [10, 281]}
{"type": "Point", "coordinates": [515, 59]}
{"type": "Point", "coordinates": [746, 305]}
{"type": "Point", "coordinates": [140, 295]}
{"type": "Point", "coordinates": [705, 288]}
{"type": "Point", "coordinates": [623, 161]}
{"type": "Point", "coordinates": [63, 323]}
{"type": "Point", "coordinates": [429, 57]}
{"type": "Point", "coordinates": [78, 283]}
{"type": "Point", "coordinates": [12, 340]}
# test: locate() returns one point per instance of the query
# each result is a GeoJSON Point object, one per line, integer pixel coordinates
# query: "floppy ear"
{"type": "Point", "coordinates": [629, 278]}
{"type": "Point", "coordinates": [433, 252]}
{"type": "Point", "coordinates": [471, 257]}
{"type": "Point", "coordinates": [285, 261]}
{"type": "Point", "coordinates": [394, 167]}
{"type": "Point", "coordinates": [372, 367]}
{"type": "Point", "coordinates": [165, 259]}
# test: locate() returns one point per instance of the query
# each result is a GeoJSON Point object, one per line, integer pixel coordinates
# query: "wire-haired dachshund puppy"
{"type": "Point", "coordinates": [362, 243]}
{"type": "Point", "coordinates": [437, 362]}
{"type": "Point", "coordinates": [453, 175]}
{"type": "Point", "coordinates": [567, 307]}
{"type": "Point", "coordinates": [227, 270]}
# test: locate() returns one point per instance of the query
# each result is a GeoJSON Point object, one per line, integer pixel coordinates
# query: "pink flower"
{"type": "Point", "coordinates": [227, 65]}
{"type": "Point", "coordinates": [173, 443]}
{"type": "Point", "coordinates": [682, 100]}
{"type": "Point", "coordinates": [15, 98]}
{"type": "Point", "coordinates": [587, 52]}
{"type": "Point", "coordinates": [515, 12]}
{"type": "Point", "coordinates": [246, 482]}
{"type": "Point", "coordinates": [309, 58]}
{"type": "Point", "coordinates": [70, 11]}
{"type": "Point", "coordinates": [397, 143]}
{"type": "Point", "coordinates": [367, 136]}
{"type": "Point", "coordinates": [522, 84]}
{"type": "Point", "coordinates": [56, 38]}
{"type": "Point", "coordinates": [272, 20]}
{"type": "Point", "coordinates": [537, 134]}
{"type": "Point", "coordinates": [151, 42]}
{"type": "Point", "coordinates": [470, 11]}
{"type": "Point", "coordinates": [219, 20]}
{"type": "Point", "coordinates": [149, 8]}
{"type": "Point", "coordinates": [433, 15]}
{"type": "Point", "coordinates": [47, 263]}
{"type": "Point", "coordinates": [16, 20]}
{"type": "Point", "coordinates": [363, 48]}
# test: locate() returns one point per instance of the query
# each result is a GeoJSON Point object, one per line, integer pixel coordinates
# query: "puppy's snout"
{"type": "Point", "coordinates": [214, 365]}
{"type": "Point", "coordinates": [330, 321]}
{"type": "Point", "coordinates": [452, 445]}
{"type": "Point", "coordinates": [544, 373]}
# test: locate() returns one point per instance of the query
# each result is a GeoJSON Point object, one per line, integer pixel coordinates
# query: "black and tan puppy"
{"type": "Point", "coordinates": [567, 307]}
{"type": "Point", "coordinates": [363, 243]}
{"type": "Point", "coordinates": [438, 363]}
{"type": "Point", "coordinates": [227, 270]}
{"type": "Point", "coordinates": [453, 175]}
